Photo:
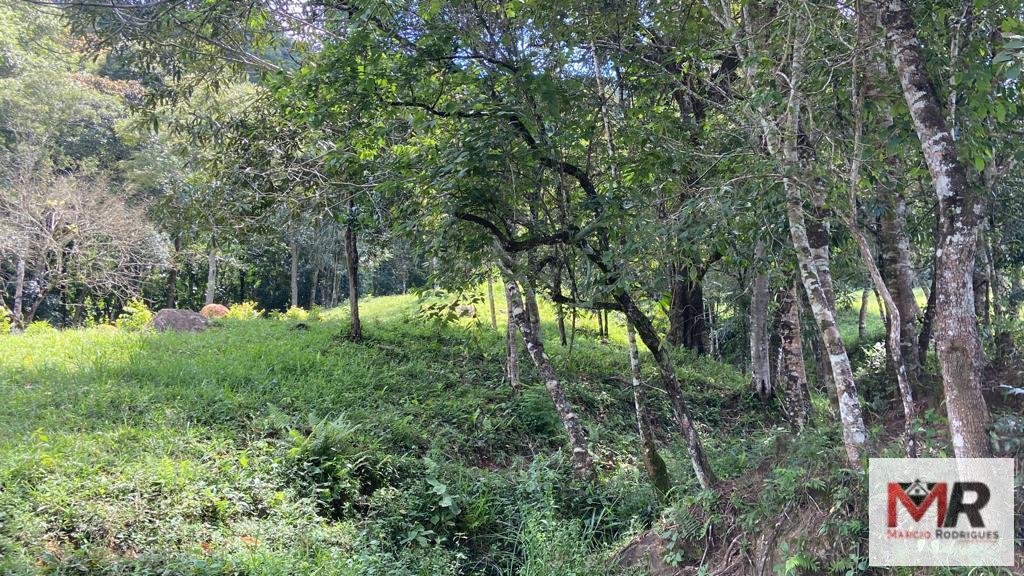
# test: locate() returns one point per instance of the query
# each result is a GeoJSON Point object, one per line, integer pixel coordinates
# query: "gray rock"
{"type": "Point", "coordinates": [179, 320]}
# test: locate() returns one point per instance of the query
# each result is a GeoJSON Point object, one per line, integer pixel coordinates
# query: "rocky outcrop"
{"type": "Point", "coordinates": [179, 320]}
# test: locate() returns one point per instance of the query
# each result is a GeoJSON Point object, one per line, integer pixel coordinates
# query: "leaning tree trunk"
{"type": "Point", "coordinates": [793, 380]}
{"type": "Point", "coordinates": [760, 364]}
{"type": "Point", "coordinates": [30, 315]}
{"type": "Point", "coordinates": [655, 465]}
{"type": "Point", "coordinates": [956, 328]}
{"type": "Point", "coordinates": [895, 342]}
{"type": "Point", "coordinates": [352, 261]}
{"type": "Point", "coordinates": [854, 431]}
{"type": "Point", "coordinates": [895, 325]}
{"type": "Point", "coordinates": [645, 329]}
{"type": "Point", "coordinates": [294, 275]}
{"type": "Point", "coordinates": [582, 464]}
{"type": "Point", "coordinates": [211, 274]}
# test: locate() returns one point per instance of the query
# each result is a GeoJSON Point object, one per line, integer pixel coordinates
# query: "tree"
{"type": "Point", "coordinates": [956, 330]}
{"type": "Point", "coordinates": [71, 232]}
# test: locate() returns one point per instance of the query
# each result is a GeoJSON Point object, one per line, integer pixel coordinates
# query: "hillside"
{"type": "Point", "coordinates": [259, 448]}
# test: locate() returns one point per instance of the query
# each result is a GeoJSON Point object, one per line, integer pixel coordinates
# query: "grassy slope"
{"type": "Point", "coordinates": [209, 453]}
{"type": "Point", "coordinates": [256, 448]}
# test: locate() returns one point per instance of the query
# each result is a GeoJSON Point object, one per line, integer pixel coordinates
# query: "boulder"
{"type": "Point", "coordinates": [180, 320]}
{"type": "Point", "coordinates": [214, 311]}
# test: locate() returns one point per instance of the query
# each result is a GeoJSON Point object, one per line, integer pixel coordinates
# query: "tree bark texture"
{"type": "Point", "coordinates": [796, 400]}
{"type": "Point", "coordinates": [956, 329]}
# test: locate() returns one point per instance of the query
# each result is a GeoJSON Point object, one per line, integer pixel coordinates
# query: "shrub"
{"type": "Point", "coordinates": [5, 322]}
{"type": "Point", "coordinates": [295, 313]}
{"type": "Point", "coordinates": [39, 327]}
{"type": "Point", "coordinates": [247, 310]}
{"type": "Point", "coordinates": [135, 317]}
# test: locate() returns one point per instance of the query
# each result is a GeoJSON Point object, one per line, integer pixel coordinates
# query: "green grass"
{"type": "Point", "coordinates": [849, 314]}
{"type": "Point", "coordinates": [261, 448]}
{"type": "Point", "coordinates": [258, 448]}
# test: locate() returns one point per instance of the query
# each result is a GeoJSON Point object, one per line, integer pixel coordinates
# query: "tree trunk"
{"type": "Point", "coordinates": [30, 315]}
{"type": "Point", "coordinates": [760, 365]}
{"type": "Point", "coordinates": [19, 293]}
{"type": "Point", "coordinates": [211, 274]}
{"type": "Point", "coordinates": [490, 299]}
{"type": "Point", "coordinates": [956, 329]}
{"type": "Point", "coordinates": [898, 274]}
{"type": "Point", "coordinates": [645, 329]}
{"type": "Point", "coordinates": [862, 318]}
{"type": "Point", "coordinates": [775, 351]}
{"type": "Point", "coordinates": [80, 306]}
{"type": "Point", "coordinates": [293, 276]}
{"type": "Point", "coordinates": [895, 345]}
{"type": "Point", "coordinates": [796, 401]}
{"type": "Point", "coordinates": [335, 281]}
{"type": "Point", "coordinates": [812, 274]}
{"type": "Point", "coordinates": [313, 283]}
{"type": "Point", "coordinates": [172, 275]}
{"type": "Point", "coordinates": [653, 463]}
{"type": "Point", "coordinates": [511, 351]}
{"type": "Point", "coordinates": [924, 339]}
{"type": "Point", "coordinates": [819, 237]}
{"type": "Point", "coordinates": [352, 260]}
{"type": "Point", "coordinates": [895, 325]}
{"type": "Point", "coordinates": [582, 464]}
{"type": "Point", "coordinates": [559, 309]}
{"type": "Point", "coordinates": [687, 324]}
